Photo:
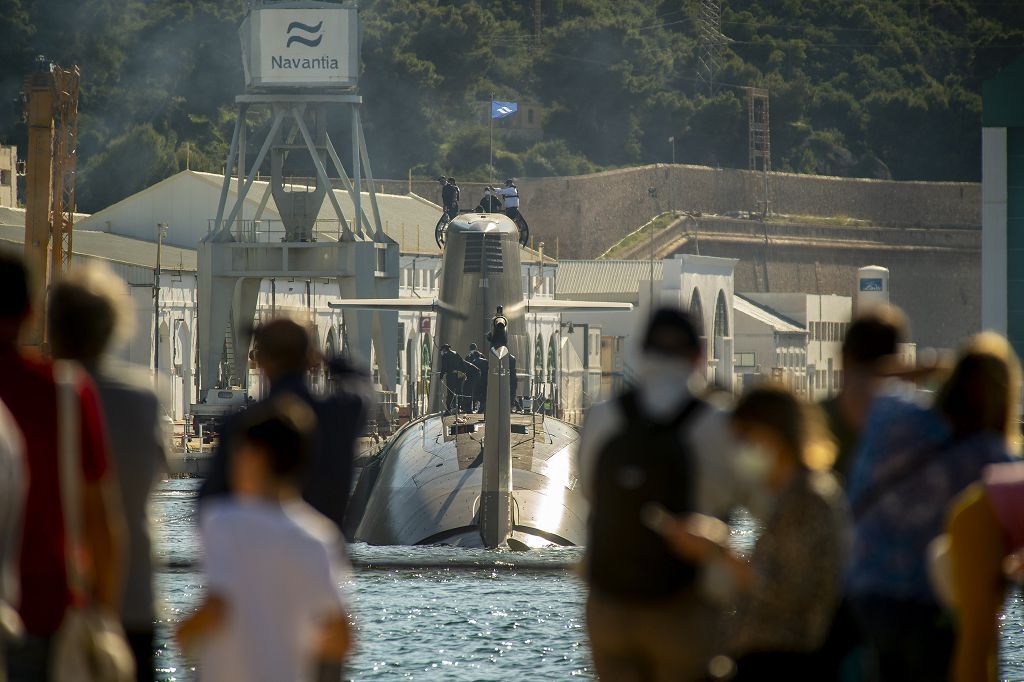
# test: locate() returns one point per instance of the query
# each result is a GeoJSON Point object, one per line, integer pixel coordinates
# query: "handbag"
{"type": "Point", "coordinates": [90, 645]}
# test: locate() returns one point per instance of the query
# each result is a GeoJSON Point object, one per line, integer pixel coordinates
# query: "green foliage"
{"type": "Point", "coordinates": [131, 162]}
{"type": "Point", "coordinates": [883, 88]}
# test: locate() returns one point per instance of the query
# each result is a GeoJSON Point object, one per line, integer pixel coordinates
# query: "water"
{"type": "Point", "coordinates": [488, 618]}
{"type": "Point", "coordinates": [481, 620]}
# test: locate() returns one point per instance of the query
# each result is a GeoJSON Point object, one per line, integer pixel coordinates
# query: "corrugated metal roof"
{"type": "Point", "coordinates": [603, 280]}
{"type": "Point", "coordinates": [105, 246]}
{"type": "Point", "coordinates": [764, 314]}
{"type": "Point", "coordinates": [408, 219]}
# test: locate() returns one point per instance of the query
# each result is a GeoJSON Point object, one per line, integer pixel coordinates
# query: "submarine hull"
{"type": "Point", "coordinates": [425, 485]}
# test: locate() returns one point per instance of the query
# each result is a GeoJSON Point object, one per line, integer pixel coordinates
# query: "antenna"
{"type": "Point", "coordinates": [760, 142]}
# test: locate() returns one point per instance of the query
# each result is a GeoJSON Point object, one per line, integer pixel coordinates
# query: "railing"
{"type": "Point", "coordinates": [274, 231]}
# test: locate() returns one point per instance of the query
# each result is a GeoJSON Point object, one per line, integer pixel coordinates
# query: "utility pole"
{"type": "Point", "coordinates": [490, 144]}
{"type": "Point", "coordinates": [653, 193]}
{"type": "Point", "coordinates": [161, 232]}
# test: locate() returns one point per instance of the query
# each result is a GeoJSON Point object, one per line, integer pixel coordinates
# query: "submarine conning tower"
{"type": "Point", "coordinates": [482, 270]}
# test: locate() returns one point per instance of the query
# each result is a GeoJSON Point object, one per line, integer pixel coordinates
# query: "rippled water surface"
{"type": "Point", "coordinates": [461, 615]}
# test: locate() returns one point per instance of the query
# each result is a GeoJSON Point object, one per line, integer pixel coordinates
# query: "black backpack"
{"type": "Point", "coordinates": [647, 462]}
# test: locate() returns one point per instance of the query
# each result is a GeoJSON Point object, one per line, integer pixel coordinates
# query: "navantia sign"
{"type": "Point", "coordinates": [315, 45]}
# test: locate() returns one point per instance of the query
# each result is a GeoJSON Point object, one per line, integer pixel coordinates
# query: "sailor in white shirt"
{"type": "Point", "coordinates": [510, 196]}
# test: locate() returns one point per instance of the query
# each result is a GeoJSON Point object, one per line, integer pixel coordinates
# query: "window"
{"type": "Point", "coordinates": [382, 260]}
{"type": "Point", "coordinates": [5, 178]}
{"type": "Point", "coordinates": [743, 359]}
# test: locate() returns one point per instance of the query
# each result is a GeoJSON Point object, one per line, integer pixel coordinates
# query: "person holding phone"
{"type": "Point", "coordinates": [791, 589]}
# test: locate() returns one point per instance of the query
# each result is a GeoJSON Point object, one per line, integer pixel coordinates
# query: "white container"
{"type": "Point", "coordinates": [872, 287]}
{"type": "Point", "coordinates": [301, 45]}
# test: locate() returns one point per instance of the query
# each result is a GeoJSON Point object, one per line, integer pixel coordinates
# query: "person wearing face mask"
{"type": "Point", "coordinates": [657, 444]}
{"type": "Point", "coordinates": [791, 589]}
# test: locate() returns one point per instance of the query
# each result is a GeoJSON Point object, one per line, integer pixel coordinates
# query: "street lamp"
{"type": "Point", "coordinates": [672, 141]}
{"type": "Point", "coordinates": [653, 193]}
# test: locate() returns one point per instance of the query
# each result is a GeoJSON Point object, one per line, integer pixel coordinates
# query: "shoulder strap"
{"type": "Point", "coordinates": [630, 404]}
{"type": "Point", "coordinates": [692, 407]}
{"type": "Point", "coordinates": [880, 488]}
{"type": "Point", "coordinates": [66, 376]}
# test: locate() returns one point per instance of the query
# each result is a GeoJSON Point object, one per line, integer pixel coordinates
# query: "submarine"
{"type": "Point", "coordinates": [493, 480]}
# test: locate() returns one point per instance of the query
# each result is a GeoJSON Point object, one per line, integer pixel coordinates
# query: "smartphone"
{"type": "Point", "coordinates": [657, 518]}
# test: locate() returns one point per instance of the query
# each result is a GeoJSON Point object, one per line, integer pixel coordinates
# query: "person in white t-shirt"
{"type": "Point", "coordinates": [273, 610]}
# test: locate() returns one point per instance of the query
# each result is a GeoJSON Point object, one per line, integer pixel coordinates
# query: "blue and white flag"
{"type": "Point", "coordinates": [503, 109]}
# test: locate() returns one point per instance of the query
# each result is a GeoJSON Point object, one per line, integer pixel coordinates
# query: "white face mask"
{"type": "Point", "coordinates": [663, 380]}
{"type": "Point", "coordinates": [753, 465]}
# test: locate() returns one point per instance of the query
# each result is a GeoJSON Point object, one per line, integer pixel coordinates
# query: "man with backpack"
{"type": "Point", "coordinates": [656, 448]}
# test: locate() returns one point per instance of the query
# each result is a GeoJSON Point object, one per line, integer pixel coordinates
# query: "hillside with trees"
{"type": "Point", "coordinates": [870, 88]}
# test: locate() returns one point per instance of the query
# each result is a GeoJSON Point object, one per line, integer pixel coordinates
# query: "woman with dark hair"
{"type": "Point", "coordinates": [914, 459]}
{"type": "Point", "coordinates": [792, 585]}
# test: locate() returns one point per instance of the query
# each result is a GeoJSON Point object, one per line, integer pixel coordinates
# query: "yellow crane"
{"type": "Point", "coordinates": [51, 109]}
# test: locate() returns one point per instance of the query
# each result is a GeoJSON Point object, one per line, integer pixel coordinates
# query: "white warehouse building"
{"type": "Point", "coordinates": [124, 236]}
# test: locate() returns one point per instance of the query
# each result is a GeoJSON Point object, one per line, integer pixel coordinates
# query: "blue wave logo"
{"type": "Point", "coordinates": [305, 28]}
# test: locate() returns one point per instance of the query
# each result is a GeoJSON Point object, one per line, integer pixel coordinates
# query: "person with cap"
{"type": "Point", "coordinates": [510, 197]}
{"type": "Point", "coordinates": [868, 350]}
{"type": "Point", "coordinates": [490, 202]}
{"type": "Point", "coordinates": [655, 446]}
{"type": "Point", "coordinates": [283, 352]}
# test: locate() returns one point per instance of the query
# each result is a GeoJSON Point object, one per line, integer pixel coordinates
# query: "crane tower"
{"type": "Point", "coordinates": [51, 108]}
{"type": "Point", "coordinates": [301, 62]}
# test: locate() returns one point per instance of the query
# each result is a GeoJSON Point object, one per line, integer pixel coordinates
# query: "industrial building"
{"type": "Point", "coordinates": [124, 236]}
{"type": "Point", "coordinates": [8, 176]}
{"type": "Point", "coordinates": [1002, 203]}
{"type": "Point", "coordinates": [791, 338]}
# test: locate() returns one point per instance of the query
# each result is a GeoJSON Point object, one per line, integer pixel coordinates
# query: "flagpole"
{"type": "Point", "coordinates": [490, 146]}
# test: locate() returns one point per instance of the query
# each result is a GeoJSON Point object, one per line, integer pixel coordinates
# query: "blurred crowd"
{"type": "Point", "coordinates": [82, 444]}
{"type": "Point", "coordinates": [890, 518]}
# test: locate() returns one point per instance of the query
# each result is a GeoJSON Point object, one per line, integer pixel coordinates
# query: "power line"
{"type": "Point", "coordinates": [796, 42]}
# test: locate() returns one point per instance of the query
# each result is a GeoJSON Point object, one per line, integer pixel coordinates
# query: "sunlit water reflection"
{"type": "Point", "coordinates": [492, 616]}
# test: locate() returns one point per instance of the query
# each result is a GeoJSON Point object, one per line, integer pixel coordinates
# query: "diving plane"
{"type": "Point", "coordinates": [493, 480]}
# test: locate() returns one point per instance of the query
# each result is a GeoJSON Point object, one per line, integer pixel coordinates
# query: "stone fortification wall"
{"type": "Point", "coordinates": [935, 273]}
{"type": "Point", "coordinates": [589, 213]}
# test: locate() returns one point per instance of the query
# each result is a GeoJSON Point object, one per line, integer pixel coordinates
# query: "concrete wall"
{"type": "Point", "coordinates": [935, 274]}
{"type": "Point", "coordinates": [588, 214]}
